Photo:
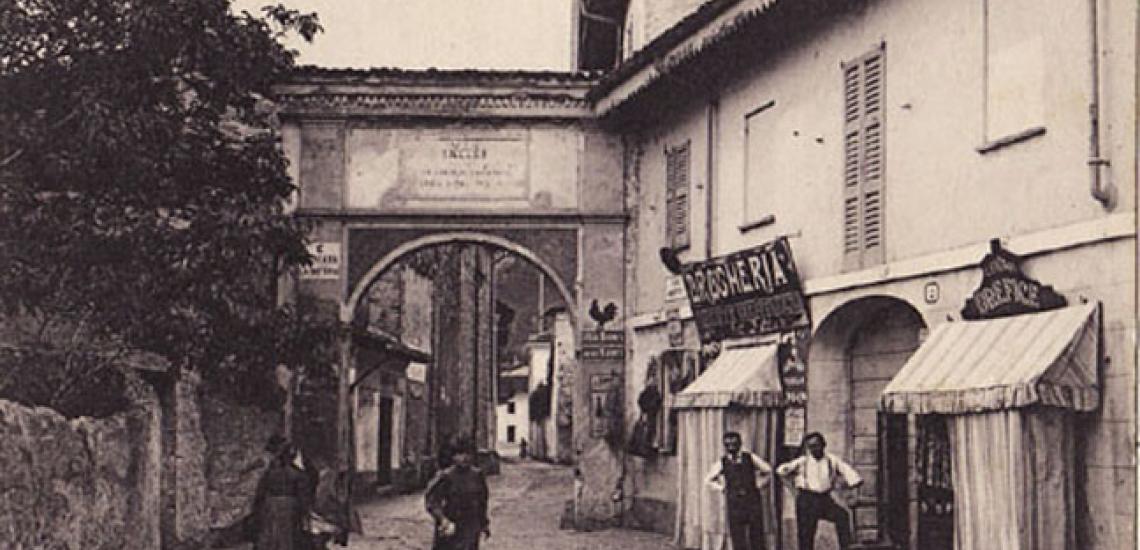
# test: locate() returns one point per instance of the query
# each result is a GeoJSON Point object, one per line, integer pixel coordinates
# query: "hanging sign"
{"type": "Point", "coordinates": [1006, 290]}
{"type": "Point", "coordinates": [752, 292]}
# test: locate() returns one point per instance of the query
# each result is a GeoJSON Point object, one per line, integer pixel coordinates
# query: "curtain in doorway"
{"type": "Point", "coordinates": [701, 521]}
{"type": "Point", "coordinates": [1013, 479]}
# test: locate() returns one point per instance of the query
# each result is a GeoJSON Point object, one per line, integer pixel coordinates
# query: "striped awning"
{"type": "Point", "coordinates": [744, 377]}
{"type": "Point", "coordinates": [1048, 358]}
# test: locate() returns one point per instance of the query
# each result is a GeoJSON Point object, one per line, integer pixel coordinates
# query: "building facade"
{"type": "Point", "coordinates": [888, 142]}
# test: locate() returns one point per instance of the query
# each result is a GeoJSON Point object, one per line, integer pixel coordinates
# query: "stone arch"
{"type": "Point", "coordinates": [348, 308]}
{"type": "Point", "coordinates": [855, 351]}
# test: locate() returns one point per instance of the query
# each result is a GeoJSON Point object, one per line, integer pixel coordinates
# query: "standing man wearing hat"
{"type": "Point", "coordinates": [814, 475]}
{"type": "Point", "coordinates": [740, 475]}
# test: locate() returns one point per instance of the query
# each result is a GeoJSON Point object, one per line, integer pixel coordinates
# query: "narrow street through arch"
{"type": "Point", "coordinates": [527, 500]}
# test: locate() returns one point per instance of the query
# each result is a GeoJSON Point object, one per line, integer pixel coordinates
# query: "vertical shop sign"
{"type": "Point", "coordinates": [603, 402]}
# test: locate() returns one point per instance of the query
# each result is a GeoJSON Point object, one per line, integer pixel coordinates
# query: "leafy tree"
{"type": "Point", "coordinates": [142, 183]}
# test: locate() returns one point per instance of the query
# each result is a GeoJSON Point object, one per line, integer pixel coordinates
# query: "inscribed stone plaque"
{"type": "Point", "coordinates": [480, 166]}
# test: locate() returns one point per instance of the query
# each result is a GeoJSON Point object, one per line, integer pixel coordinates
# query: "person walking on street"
{"type": "Point", "coordinates": [814, 475]}
{"type": "Point", "coordinates": [281, 504]}
{"type": "Point", "coordinates": [457, 499]}
{"type": "Point", "coordinates": [740, 475]}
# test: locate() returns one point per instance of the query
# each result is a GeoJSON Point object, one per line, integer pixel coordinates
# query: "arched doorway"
{"type": "Point", "coordinates": [460, 398]}
{"type": "Point", "coordinates": [855, 352]}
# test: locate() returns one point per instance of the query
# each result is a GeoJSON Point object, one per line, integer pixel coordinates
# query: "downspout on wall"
{"type": "Point", "coordinates": [1098, 188]}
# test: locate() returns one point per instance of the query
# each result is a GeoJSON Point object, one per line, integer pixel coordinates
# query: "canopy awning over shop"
{"type": "Point", "coordinates": [744, 376]}
{"type": "Point", "coordinates": [1045, 358]}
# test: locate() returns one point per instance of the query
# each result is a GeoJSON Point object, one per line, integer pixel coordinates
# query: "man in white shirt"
{"type": "Point", "coordinates": [743, 474]}
{"type": "Point", "coordinates": [814, 475]}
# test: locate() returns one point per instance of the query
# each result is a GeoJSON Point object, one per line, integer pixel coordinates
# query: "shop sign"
{"type": "Point", "coordinates": [326, 262]}
{"type": "Point", "coordinates": [1006, 290]}
{"type": "Point", "coordinates": [604, 388]}
{"type": "Point", "coordinates": [674, 289]}
{"type": "Point", "coordinates": [795, 420]}
{"type": "Point", "coordinates": [602, 345]}
{"type": "Point", "coordinates": [752, 292]}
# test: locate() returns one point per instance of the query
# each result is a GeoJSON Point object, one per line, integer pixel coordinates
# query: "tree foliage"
{"type": "Point", "coordinates": [142, 182]}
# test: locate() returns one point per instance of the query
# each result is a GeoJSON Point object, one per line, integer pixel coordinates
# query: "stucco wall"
{"type": "Point", "coordinates": [935, 179]}
{"type": "Point", "coordinates": [82, 483]}
{"type": "Point", "coordinates": [944, 199]}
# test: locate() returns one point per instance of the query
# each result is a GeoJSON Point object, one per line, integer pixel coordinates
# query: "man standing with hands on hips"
{"type": "Point", "coordinates": [743, 474]}
{"type": "Point", "coordinates": [814, 475]}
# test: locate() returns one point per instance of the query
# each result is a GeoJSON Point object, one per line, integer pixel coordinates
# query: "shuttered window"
{"type": "Point", "coordinates": [863, 159]}
{"type": "Point", "coordinates": [677, 195]}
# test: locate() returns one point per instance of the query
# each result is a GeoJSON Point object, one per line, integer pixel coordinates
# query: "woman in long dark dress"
{"type": "Point", "coordinates": [457, 500]}
{"type": "Point", "coordinates": [282, 502]}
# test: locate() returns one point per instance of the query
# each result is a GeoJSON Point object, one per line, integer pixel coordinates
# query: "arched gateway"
{"type": "Point", "coordinates": [389, 162]}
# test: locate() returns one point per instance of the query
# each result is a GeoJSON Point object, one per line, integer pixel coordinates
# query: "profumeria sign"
{"type": "Point", "coordinates": [754, 291]}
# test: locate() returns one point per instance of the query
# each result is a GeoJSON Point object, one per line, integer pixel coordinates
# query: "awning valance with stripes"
{"type": "Point", "coordinates": [1048, 358]}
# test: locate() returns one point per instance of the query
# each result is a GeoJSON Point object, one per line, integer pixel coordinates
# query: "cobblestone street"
{"type": "Point", "coordinates": [526, 502]}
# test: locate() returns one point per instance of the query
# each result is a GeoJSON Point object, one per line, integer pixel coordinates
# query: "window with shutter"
{"type": "Point", "coordinates": [677, 195]}
{"type": "Point", "coordinates": [863, 159]}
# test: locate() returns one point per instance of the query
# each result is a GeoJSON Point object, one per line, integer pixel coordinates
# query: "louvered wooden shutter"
{"type": "Point", "coordinates": [677, 196]}
{"type": "Point", "coordinates": [863, 160]}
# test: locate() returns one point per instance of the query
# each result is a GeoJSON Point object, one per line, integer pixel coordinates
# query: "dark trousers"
{"type": "Point", "coordinates": [745, 525]}
{"type": "Point", "coordinates": [812, 507]}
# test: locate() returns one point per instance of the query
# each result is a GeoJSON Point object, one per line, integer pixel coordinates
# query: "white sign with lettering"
{"type": "Point", "coordinates": [326, 262]}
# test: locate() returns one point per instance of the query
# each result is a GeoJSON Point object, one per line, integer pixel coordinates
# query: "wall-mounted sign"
{"type": "Point", "coordinates": [674, 289]}
{"type": "Point", "coordinates": [755, 291]}
{"type": "Point", "coordinates": [602, 345]}
{"type": "Point", "coordinates": [795, 420]}
{"type": "Point", "coordinates": [1006, 290]}
{"type": "Point", "coordinates": [604, 402]}
{"type": "Point", "coordinates": [931, 292]}
{"type": "Point", "coordinates": [326, 262]}
{"type": "Point", "coordinates": [488, 165]}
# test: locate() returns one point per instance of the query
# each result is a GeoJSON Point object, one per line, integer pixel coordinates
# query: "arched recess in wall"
{"type": "Point", "coordinates": [857, 349]}
{"type": "Point", "coordinates": [348, 309]}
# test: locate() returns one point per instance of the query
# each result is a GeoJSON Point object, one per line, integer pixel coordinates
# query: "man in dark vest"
{"type": "Point", "coordinates": [740, 475]}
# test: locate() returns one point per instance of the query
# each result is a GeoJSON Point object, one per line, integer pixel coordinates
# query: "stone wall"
{"type": "Point", "coordinates": [83, 483]}
{"type": "Point", "coordinates": [235, 456]}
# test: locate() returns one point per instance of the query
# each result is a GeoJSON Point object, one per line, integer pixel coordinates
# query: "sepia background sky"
{"type": "Point", "coordinates": [445, 34]}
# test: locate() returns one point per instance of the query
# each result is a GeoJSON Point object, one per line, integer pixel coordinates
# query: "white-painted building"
{"type": "Point", "coordinates": [512, 414]}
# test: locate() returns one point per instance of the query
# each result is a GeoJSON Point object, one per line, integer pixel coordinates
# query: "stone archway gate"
{"type": "Point", "coordinates": [390, 160]}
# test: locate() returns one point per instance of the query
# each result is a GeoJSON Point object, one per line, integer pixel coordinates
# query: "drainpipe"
{"type": "Point", "coordinates": [1097, 187]}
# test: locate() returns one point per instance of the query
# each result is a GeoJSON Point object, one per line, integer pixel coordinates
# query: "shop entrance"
{"type": "Point", "coordinates": [855, 352]}
{"type": "Point", "coordinates": [384, 442]}
{"type": "Point", "coordinates": [935, 484]}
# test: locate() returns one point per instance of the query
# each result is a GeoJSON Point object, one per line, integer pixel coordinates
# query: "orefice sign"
{"type": "Point", "coordinates": [1006, 290]}
{"type": "Point", "coordinates": [755, 291]}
